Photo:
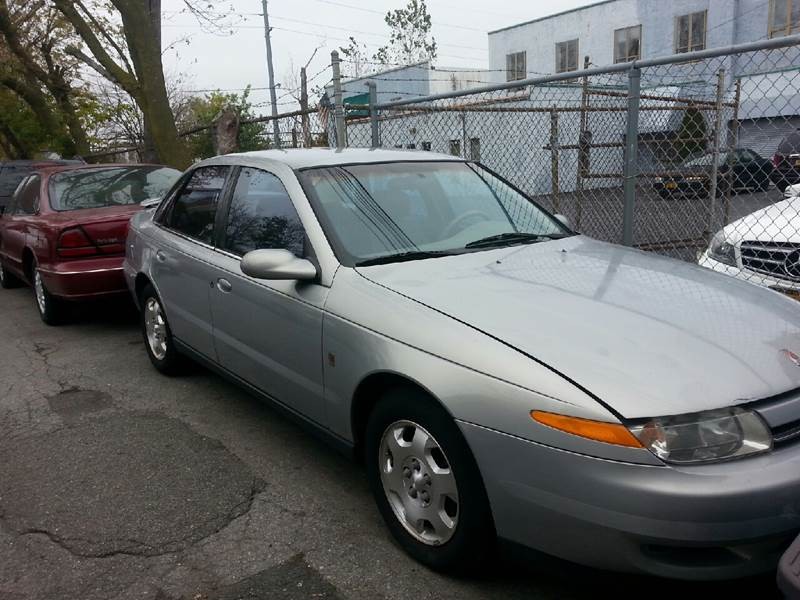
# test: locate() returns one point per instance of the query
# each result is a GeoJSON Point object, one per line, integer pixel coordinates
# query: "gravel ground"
{"type": "Point", "coordinates": [117, 482]}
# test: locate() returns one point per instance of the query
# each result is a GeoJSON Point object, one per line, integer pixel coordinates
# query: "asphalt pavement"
{"type": "Point", "coordinates": [119, 483]}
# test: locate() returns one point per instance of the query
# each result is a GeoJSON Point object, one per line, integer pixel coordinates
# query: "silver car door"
{"type": "Point", "coordinates": [182, 265]}
{"type": "Point", "coordinates": [268, 333]}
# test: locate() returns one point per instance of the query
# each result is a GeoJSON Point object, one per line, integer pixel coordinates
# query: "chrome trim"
{"type": "Point", "coordinates": [91, 271]}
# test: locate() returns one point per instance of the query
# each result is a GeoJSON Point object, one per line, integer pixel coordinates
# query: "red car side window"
{"type": "Point", "coordinates": [27, 196]}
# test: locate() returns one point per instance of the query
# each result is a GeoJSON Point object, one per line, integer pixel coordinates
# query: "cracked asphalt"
{"type": "Point", "coordinates": [119, 483]}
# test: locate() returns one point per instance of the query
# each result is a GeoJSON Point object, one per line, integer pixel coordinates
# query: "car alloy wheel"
{"type": "Point", "coordinates": [41, 293]}
{"type": "Point", "coordinates": [155, 328]}
{"type": "Point", "coordinates": [419, 483]}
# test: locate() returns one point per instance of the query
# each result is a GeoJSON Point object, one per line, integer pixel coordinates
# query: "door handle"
{"type": "Point", "coordinates": [224, 285]}
{"type": "Point", "coordinates": [160, 256]}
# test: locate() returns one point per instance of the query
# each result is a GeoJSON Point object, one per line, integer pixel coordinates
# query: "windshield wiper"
{"type": "Point", "coordinates": [510, 237]}
{"type": "Point", "coordinates": [404, 256]}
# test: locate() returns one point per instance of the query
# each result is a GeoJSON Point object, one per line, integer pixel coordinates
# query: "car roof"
{"type": "Point", "coordinates": [51, 169]}
{"type": "Point", "coordinates": [325, 157]}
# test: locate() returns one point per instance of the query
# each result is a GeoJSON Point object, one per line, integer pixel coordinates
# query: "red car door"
{"type": "Point", "coordinates": [18, 223]}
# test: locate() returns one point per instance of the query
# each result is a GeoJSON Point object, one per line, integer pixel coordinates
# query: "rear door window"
{"type": "Point", "coordinates": [26, 198]}
{"type": "Point", "coordinates": [194, 209]}
{"type": "Point", "coordinates": [10, 177]}
{"type": "Point", "coordinates": [262, 216]}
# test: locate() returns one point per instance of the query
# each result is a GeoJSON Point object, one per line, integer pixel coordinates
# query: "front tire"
{"type": "Point", "coordinates": [426, 482]}
{"type": "Point", "coordinates": [51, 308]}
{"type": "Point", "coordinates": [158, 340]}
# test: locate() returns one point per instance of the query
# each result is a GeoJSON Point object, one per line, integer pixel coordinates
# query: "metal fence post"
{"type": "Point", "coordinates": [631, 155]}
{"type": "Point", "coordinates": [373, 114]}
{"type": "Point", "coordinates": [712, 188]}
{"type": "Point", "coordinates": [338, 110]}
{"type": "Point", "coordinates": [555, 184]}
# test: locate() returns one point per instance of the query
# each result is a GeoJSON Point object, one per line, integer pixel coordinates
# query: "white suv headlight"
{"type": "Point", "coordinates": [707, 436]}
{"type": "Point", "coordinates": [722, 250]}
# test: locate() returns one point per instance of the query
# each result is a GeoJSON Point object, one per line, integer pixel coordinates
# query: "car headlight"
{"type": "Point", "coordinates": [659, 180]}
{"type": "Point", "coordinates": [707, 436]}
{"type": "Point", "coordinates": [696, 178]}
{"type": "Point", "coordinates": [722, 250]}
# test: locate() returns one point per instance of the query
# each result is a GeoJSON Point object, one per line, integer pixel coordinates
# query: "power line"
{"type": "Point", "coordinates": [383, 13]}
{"type": "Point", "coordinates": [484, 50]}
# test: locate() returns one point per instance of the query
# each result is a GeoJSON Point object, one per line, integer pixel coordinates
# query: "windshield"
{"type": "Point", "coordinates": [409, 209]}
{"type": "Point", "coordinates": [114, 186]}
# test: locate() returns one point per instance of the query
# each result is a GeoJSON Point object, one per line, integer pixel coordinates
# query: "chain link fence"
{"type": "Point", "coordinates": [688, 156]}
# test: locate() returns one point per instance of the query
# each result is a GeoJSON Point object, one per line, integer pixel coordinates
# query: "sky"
{"type": "Point", "coordinates": [206, 58]}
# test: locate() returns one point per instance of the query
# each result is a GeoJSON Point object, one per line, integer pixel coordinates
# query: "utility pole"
{"type": "Point", "coordinates": [276, 133]}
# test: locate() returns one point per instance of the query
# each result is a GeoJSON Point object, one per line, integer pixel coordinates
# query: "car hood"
{"type": "Point", "coordinates": [645, 334]}
{"type": "Point", "coordinates": [779, 222]}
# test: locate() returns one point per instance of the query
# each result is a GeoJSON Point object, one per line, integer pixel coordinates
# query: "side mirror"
{"type": "Point", "coordinates": [563, 220]}
{"type": "Point", "coordinates": [277, 265]}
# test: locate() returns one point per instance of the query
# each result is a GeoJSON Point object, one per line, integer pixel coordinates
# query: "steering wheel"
{"type": "Point", "coordinates": [470, 214]}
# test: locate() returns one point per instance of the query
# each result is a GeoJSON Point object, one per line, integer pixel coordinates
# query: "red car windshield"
{"type": "Point", "coordinates": [114, 186]}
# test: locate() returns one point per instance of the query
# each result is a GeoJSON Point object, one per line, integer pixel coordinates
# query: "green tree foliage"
{"type": "Point", "coordinates": [410, 39]}
{"type": "Point", "coordinates": [203, 110]}
{"type": "Point", "coordinates": [355, 61]}
{"type": "Point", "coordinates": [692, 134]}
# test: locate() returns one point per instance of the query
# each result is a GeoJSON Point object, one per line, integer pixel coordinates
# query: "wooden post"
{"type": "Point", "coordinates": [733, 140]}
{"type": "Point", "coordinates": [225, 134]}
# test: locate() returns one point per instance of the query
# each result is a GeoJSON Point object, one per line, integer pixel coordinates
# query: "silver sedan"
{"type": "Point", "coordinates": [499, 375]}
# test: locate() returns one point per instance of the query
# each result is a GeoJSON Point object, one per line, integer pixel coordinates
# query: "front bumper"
{"type": "Point", "coordinates": [705, 522]}
{"type": "Point", "coordinates": [779, 285]}
{"type": "Point", "coordinates": [85, 279]}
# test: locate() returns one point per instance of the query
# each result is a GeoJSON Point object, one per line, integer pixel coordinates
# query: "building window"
{"type": "Point", "coordinates": [411, 146]}
{"type": "Point", "coordinates": [567, 56]}
{"type": "Point", "coordinates": [784, 17]}
{"type": "Point", "coordinates": [690, 32]}
{"type": "Point", "coordinates": [627, 44]}
{"type": "Point", "coordinates": [426, 146]}
{"type": "Point", "coordinates": [455, 147]}
{"type": "Point", "coordinates": [516, 67]}
{"type": "Point", "coordinates": [475, 148]}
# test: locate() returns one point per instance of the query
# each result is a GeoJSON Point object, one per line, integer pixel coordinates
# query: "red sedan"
{"type": "Point", "coordinates": [64, 230]}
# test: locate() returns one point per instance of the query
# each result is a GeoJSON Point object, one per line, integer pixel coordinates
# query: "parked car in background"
{"type": "Point", "coordinates": [762, 247]}
{"type": "Point", "coordinates": [499, 374]}
{"type": "Point", "coordinates": [741, 170]}
{"type": "Point", "coordinates": [786, 161]}
{"type": "Point", "coordinates": [12, 172]}
{"type": "Point", "coordinates": [64, 230]}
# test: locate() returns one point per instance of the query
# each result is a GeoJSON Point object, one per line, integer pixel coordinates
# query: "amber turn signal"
{"type": "Point", "coordinates": [599, 431]}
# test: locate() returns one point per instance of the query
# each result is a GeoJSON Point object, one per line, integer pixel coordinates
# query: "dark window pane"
{"type": "Point", "coordinates": [27, 196]}
{"type": "Point", "coordinates": [262, 216]}
{"type": "Point", "coordinates": [682, 36]}
{"type": "Point", "coordinates": [698, 30]}
{"type": "Point", "coordinates": [10, 177]}
{"type": "Point", "coordinates": [195, 207]}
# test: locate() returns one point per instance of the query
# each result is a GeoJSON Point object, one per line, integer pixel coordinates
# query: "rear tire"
{"type": "Point", "coordinates": [7, 280]}
{"type": "Point", "coordinates": [158, 340]}
{"type": "Point", "coordinates": [426, 482]}
{"type": "Point", "coordinates": [51, 308]}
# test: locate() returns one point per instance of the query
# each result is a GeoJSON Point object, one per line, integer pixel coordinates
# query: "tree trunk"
{"type": "Point", "coordinates": [14, 146]}
{"type": "Point", "coordinates": [154, 101]}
